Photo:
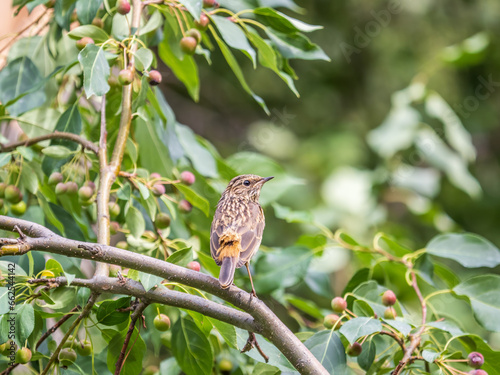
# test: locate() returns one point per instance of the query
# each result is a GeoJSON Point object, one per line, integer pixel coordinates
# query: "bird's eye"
{"type": "Point", "coordinates": [246, 183]}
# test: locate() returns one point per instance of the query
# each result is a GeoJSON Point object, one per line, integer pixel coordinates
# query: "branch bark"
{"type": "Point", "coordinates": [272, 328]}
{"type": "Point", "coordinates": [55, 135]}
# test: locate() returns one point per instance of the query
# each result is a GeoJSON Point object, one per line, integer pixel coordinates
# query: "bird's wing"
{"type": "Point", "coordinates": [215, 232]}
{"type": "Point", "coordinates": [251, 237]}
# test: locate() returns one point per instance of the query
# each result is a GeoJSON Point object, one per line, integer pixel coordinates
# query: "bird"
{"type": "Point", "coordinates": [237, 227]}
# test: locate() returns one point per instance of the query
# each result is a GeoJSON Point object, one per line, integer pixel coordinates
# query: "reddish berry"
{"type": "Point", "coordinates": [114, 227]}
{"type": "Point", "coordinates": [475, 360]}
{"type": "Point", "coordinates": [71, 187]}
{"type": "Point", "coordinates": [154, 175]}
{"type": "Point", "coordinates": [154, 77]}
{"type": "Point", "coordinates": [23, 355]}
{"type": "Point", "coordinates": [125, 77]}
{"type": "Point", "coordinates": [188, 45]}
{"type": "Point", "coordinates": [55, 178]}
{"type": "Point", "coordinates": [390, 313]}
{"type": "Point", "coordinates": [188, 178]}
{"type": "Point", "coordinates": [82, 43]}
{"type": "Point", "coordinates": [123, 7]}
{"type": "Point", "coordinates": [388, 298]}
{"type": "Point", "coordinates": [354, 350]}
{"type": "Point", "coordinates": [98, 22]}
{"type": "Point", "coordinates": [209, 3]}
{"type": "Point", "coordinates": [90, 184]}
{"type": "Point", "coordinates": [332, 320]}
{"type": "Point", "coordinates": [162, 220]}
{"type": "Point", "coordinates": [162, 322]}
{"type": "Point", "coordinates": [478, 372]}
{"type": "Point", "coordinates": [158, 189]}
{"type": "Point", "coordinates": [195, 266]}
{"type": "Point", "coordinates": [202, 24]}
{"type": "Point", "coordinates": [61, 188]}
{"type": "Point", "coordinates": [13, 194]}
{"type": "Point", "coordinates": [185, 206]}
{"type": "Point", "coordinates": [85, 193]}
{"type": "Point", "coordinates": [339, 304]}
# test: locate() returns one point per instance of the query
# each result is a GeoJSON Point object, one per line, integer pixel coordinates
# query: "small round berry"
{"type": "Point", "coordinates": [83, 348]}
{"type": "Point", "coordinates": [478, 372]}
{"type": "Point", "coordinates": [339, 304]}
{"type": "Point", "coordinates": [202, 24]}
{"type": "Point", "coordinates": [188, 45]}
{"type": "Point", "coordinates": [123, 7]}
{"type": "Point", "coordinates": [154, 176]}
{"type": "Point", "coordinates": [82, 43]}
{"type": "Point", "coordinates": [162, 322]}
{"type": "Point", "coordinates": [332, 320]}
{"type": "Point", "coordinates": [158, 190]}
{"type": "Point", "coordinates": [185, 206]}
{"type": "Point", "coordinates": [195, 266]}
{"type": "Point", "coordinates": [12, 194]}
{"type": "Point", "coordinates": [18, 209]}
{"type": "Point", "coordinates": [85, 193]}
{"type": "Point", "coordinates": [390, 313]}
{"type": "Point", "coordinates": [475, 360]}
{"type": "Point", "coordinates": [162, 220]}
{"type": "Point", "coordinates": [114, 269]}
{"type": "Point", "coordinates": [225, 366]}
{"type": "Point", "coordinates": [122, 245]}
{"type": "Point", "coordinates": [154, 77]}
{"type": "Point", "coordinates": [151, 370]}
{"type": "Point", "coordinates": [195, 34]}
{"type": "Point", "coordinates": [388, 298]}
{"type": "Point", "coordinates": [69, 342]}
{"type": "Point", "coordinates": [188, 178]}
{"type": "Point", "coordinates": [23, 356]}
{"type": "Point", "coordinates": [61, 188]}
{"type": "Point", "coordinates": [125, 77]}
{"type": "Point", "coordinates": [71, 187]}
{"type": "Point", "coordinates": [98, 22]}
{"type": "Point", "coordinates": [209, 3]}
{"type": "Point", "coordinates": [354, 350]}
{"type": "Point", "coordinates": [90, 184]}
{"type": "Point", "coordinates": [67, 356]}
{"type": "Point", "coordinates": [55, 178]}
{"type": "Point", "coordinates": [114, 209]}
{"type": "Point", "coordinates": [114, 227]}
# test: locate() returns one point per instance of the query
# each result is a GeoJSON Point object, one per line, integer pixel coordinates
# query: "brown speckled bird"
{"type": "Point", "coordinates": [237, 226]}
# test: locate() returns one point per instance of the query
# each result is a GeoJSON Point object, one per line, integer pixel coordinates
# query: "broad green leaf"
{"type": "Point", "coordinates": [29, 178]}
{"type": "Point", "coordinates": [17, 78]}
{"type": "Point", "coordinates": [95, 70]}
{"type": "Point", "coordinates": [86, 10]}
{"type": "Point", "coordinates": [265, 369]}
{"type": "Point", "coordinates": [473, 343]}
{"type": "Point", "coordinates": [447, 326]}
{"type": "Point", "coordinates": [39, 121]}
{"type": "Point", "coordinates": [148, 281]}
{"type": "Point", "coordinates": [362, 308]}
{"type": "Point", "coordinates": [359, 327]}
{"type": "Point", "coordinates": [400, 326]}
{"type": "Point", "coordinates": [371, 292]}
{"type": "Point", "coordinates": [191, 348]}
{"type": "Point", "coordinates": [470, 250]}
{"type": "Point", "coordinates": [54, 266]}
{"type": "Point", "coordinates": [181, 257]}
{"type": "Point", "coordinates": [208, 263]}
{"type": "Point", "coordinates": [296, 46]}
{"type": "Point", "coordinates": [306, 306]}
{"type": "Point", "coordinates": [293, 262]}
{"type": "Point", "coordinates": [36, 48]}
{"type": "Point", "coordinates": [484, 295]}
{"type": "Point", "coordinates": [233, 64]}
{"type": "Point", "coordinates": [367, 356]}
{"type": "Point", "coordinates": [202, 160]}
{"type": "Point", "coordinates": [193, 6]}
{"type": "Point", "coordinates": [5, 159]}
{"type": "Point", "coordinates": [69, 122]}
{"type": "Point", "coordinates": [193, 198]}
{"type": "Point", "coordinates": [430, 355]}
{"type": "Point", "coordinates": [94, 32]}
{"type": "Point", "coordinates": [283, 23]}
{"type": "Point", "coordinates": [290, 216]}
{"type": "Point", "coordinates": [120, 28]}
{"type": "Point", "coordinates": [143, 58]}
{"type": "Point", "coordinates": [107, 313]}
{"type": "Point", "coordinates": [27, 153]}
{"type": "Point", "coordinates": [169, 367]}
{"type": "Point", "coordinates": [25, 321]}
{"type": "Point", "coordinates": [226, 330]}
{"type": "Point", "coordinates": [135, 222]}
{"type": "Point", "coordinates": [328, 349]}
{"type": "Point", "coordinates": [133, 364]}
{"type": "Point", "coordinates": [154, 22]}
{"type": "Point", "coordinates": [234, 36]}
{"type": "Point", "coordinates": [58, 152]}
{"type": "Point", "coordinates": [63, 11]}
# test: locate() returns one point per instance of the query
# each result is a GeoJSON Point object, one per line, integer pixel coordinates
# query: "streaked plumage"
{"type": "Point", "coordinates": [237, 226]}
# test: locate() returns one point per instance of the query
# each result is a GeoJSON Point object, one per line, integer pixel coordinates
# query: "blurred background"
{"type": "Point", "coordinates": [398, 133]}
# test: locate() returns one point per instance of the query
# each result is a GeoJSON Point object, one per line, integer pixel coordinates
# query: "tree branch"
{"type": "Point", "coordinates": [55, 135]}
{"type": "Point", "coordinates": [272, 328]}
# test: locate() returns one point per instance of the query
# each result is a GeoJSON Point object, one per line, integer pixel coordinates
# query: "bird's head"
{"type": "Point", "coordinates": [246, 186]}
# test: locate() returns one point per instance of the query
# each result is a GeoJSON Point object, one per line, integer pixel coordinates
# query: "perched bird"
{"type": "Point", "coordinates": [237, 227]}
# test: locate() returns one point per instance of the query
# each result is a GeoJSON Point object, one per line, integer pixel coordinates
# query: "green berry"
{"type": "Point", "coordinates": [72, 187]}
{"type": "Point", "coordinates": [390, 313]}
{"type": "Point", "coordinates": [85, 193]}
{"type": "Point", "coordinates": [188, 45]}
{"type": "Point", "coordinates": [55, 178]}
{"type": "Point", "coordinates": [332, 320]}
{"type": "Point", "coordinates": [225, 365]}
{"type": "Point", "coordinates": [195, 34]}
{"type": "Point", "coordinates": [18, 209]}
{"type": "Point", "coordinates": [67, 357]}
{"type": "Point", "coordinates": [122, 245]}
{"type": "Point", "coordinates": [13, 194]}
{"type": "Point", "coordinates": [83, 348]}
{"type": "Point", "coordinates": [114, 209]}
{"type": "Point", "coordinates": [162, 220]}
{"type": "Point", "coordinates": [354, 350]}
{"type": "Point", "coordinates": [23, 356]}
{"type": "Point", "coordinates": [125, 77]}
{"type": "Point", "coordinates": [162, 322]}
{"type": "Point", "coordinates": [61, 188]}
{"type": "Point", "coordinates": [151, 370]}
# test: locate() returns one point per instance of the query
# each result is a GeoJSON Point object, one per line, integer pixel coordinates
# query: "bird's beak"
{"type": "Point", "coordinates": [264, 180]}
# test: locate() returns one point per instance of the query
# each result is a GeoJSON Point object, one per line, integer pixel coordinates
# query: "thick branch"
{"type": "Point", "coordinates": [272, 328]}
{"type": "Point", "coordinates": [55, 135]}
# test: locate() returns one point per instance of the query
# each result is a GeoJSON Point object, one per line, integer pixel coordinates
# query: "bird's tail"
{"type": "Point", "coordinates": [227, 269]}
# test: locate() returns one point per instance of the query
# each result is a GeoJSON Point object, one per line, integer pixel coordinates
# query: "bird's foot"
{"type": "Point", "coordinates": [251, 343]}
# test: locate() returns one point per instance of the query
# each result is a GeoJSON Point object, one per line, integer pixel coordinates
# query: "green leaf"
{"type": "Point", "coordinates": [154, 22]}
{"type": "Point", "coordinates": [39, 121]}
{"type": "Point", "coordinates": [227, 331]}
{"type": "Point", "coordinates": [135, 222]}
{"type": "Point", "coordinates": [233, 64]}
{"type": "Point", "coordinates": [193, 198]}
{"type": "Point", "coordinates": [296, 46]}
{"type": "Point", "coordinates": [234, 36]}
{"type": "Point", "coordinates": [95, 70]}
{"type": "Point", "coordinates": [283, 23]}
{"type": "Point", "coordinates": [193, 6]}
{"type": "Point", "coordinates": [201, 158]}
{"type": "Point", "coordinates": [169, 367]}
{"type": "Point", "coordinates": [5, 159]}
{"type": "Point", "coordinates": [25, 321]}
{"type": "Point", "coordinates": [17, 78]}
{"type": "Point", "coordinates": [470, 250]}
{"type": "Point", "coordinates": [29, 178]}
{"type": "Point", "coordinates": [400, 326]}
{"type": "Point", "coordinates": [184, 68]}
{"type": "Point", "coordinates": [108, 315]}
{"type": "Point", "coordinates": [143, 58]}
{"type": "Point", "coordinates": [69, 122]}
{"type": "Point", "coordinates": [86, 10]}
{"type": "Point", "coordinates": [148, 281]}
{"type": "Point", "coordinates": [473, 343]}
{"type": "Point", "coordinates": [359, 327]}
{"type": "Point", "coordinates": [191, 348]}
{"type": "Point", "coordinates": [181, 257]}
{"type": "Point", "coordinates": [328, 349]}
{"type": "Point", "coordinates": [290, 216]}
{"type": "Point", "coordinates": [94, 32]}
{"type": "Point", "coordinates": [133, 364]}
{"type": "Point", "coordinates": [484, 295]}
{"type": "Point", "coordinates": [265, 369]}
{"type": "Point", "coordinates": [58, 152]}
{"type": "Point", "coordinates": [367, 356]}
{"type": "Point", "coordinates": [370, 292]}
{"type": "Point", "coordinates": [54, 266]}
{"type": "Point", "coordinates": [293, 262]}
{"type": "Point", "coordinates": [430, 355]}
{"type": "Point", "coordinates": [447, 326]}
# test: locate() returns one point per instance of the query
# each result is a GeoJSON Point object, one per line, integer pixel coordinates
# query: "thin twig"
{"type": "Point", "coordinates": [59, 323]}
{"type": "Point", "coordinates": [141, 306]}
{"type": "Point", "coordinates": [251, 342]}
{"type": "Point", "coordinates": [396, 338]}
{"type": "Point", "coordinates": [55, 135]}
